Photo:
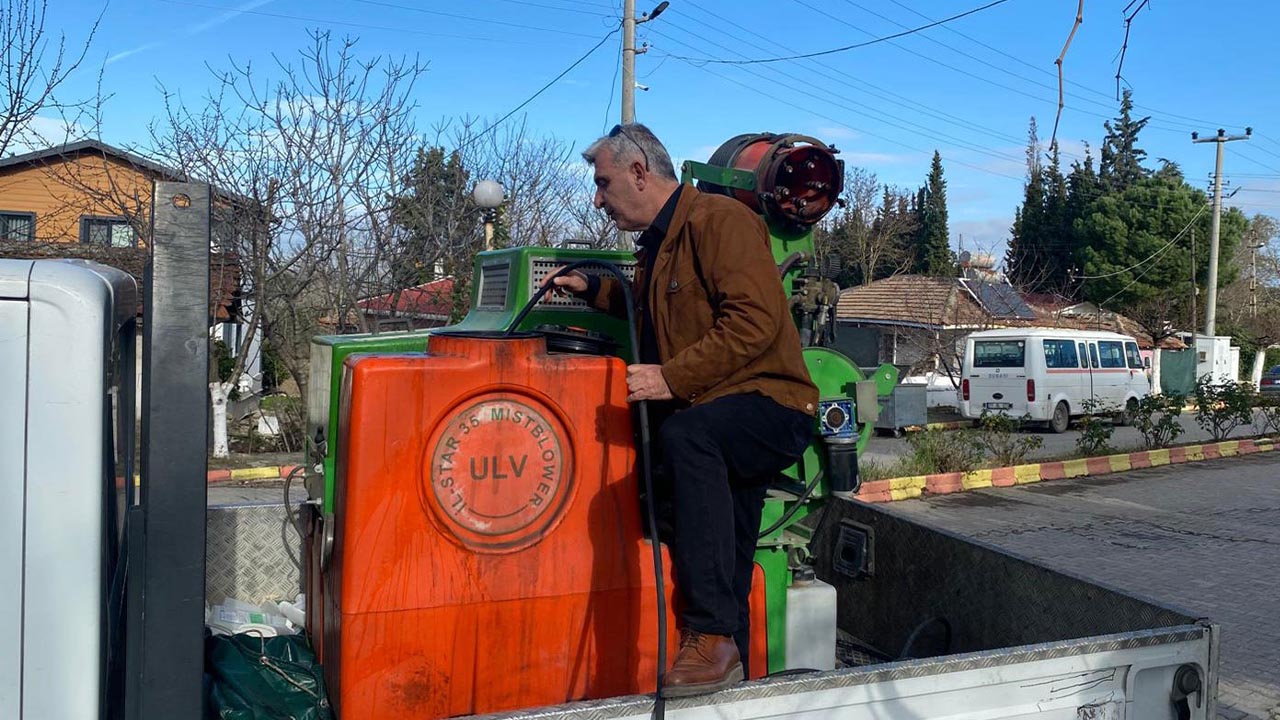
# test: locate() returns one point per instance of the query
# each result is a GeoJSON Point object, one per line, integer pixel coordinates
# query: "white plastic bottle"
{"type": "Point", "coordinates": [811, 623]}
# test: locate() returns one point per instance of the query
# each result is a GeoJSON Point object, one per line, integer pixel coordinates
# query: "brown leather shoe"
{"type": "Point", "coordinates": [706, 664]}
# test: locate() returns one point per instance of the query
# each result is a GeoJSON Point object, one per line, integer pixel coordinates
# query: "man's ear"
{"type": "Point", "coordinates": [638, 174]}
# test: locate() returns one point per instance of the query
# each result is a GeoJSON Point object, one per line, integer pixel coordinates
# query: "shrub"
{"type": "Point", "coordinates": [1267, 420]}
{"type": "Point", "coordinates": [1095, 428]}
{"type": "Point", "coordinates": [1156, 417]}
{"type": "Point", "coordinates": [1223, 407]}
{"type": "Point", "coordinates": [941, 451]}
{"type": "Point", "coordinates": [999, 437]}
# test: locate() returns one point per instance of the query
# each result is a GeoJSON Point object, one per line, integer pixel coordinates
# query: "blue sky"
{"type": "Point", "coordinates": [966, 89]}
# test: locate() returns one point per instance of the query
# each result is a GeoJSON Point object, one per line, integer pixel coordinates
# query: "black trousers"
{"type": "Point", "coordinates": [718, 459]}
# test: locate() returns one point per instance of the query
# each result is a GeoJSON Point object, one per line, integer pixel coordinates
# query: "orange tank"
{"type": "Point", "coordinates": [488, 552]}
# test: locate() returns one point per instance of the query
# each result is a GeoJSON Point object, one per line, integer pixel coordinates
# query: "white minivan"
{"type": "Point", "coordinates": [1049, 374]}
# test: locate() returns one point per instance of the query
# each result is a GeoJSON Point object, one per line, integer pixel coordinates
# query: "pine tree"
{"type": "Point", "coordinates": [1056, 243]}
{"type": "Point", "coordinates": [933, 243]}
{"type": "Point", "coordinates": [1121, 162]}
{"type": "Point", "coordinates": [440, 219]}
{"type": "Point", "coordinates": [1024, 258]}
{"type": "Point", "coordinates": [1083, 187]}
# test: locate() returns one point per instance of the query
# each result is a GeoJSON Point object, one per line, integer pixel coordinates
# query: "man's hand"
{"type": "Point", "coordinates": [647, 383]}
{"type": "Point", "coordinates": [571, 282]}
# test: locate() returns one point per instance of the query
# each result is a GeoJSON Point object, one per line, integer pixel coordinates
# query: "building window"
{"type": "Point", "coordinates": [107, 232]}
{"type": "Point", "coordinates": [17, 226]}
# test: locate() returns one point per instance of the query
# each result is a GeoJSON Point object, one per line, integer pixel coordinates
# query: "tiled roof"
{"type": "Point", "coordinates": [919, 301]}
{"type": "Point", "coordinates": [910, 300]}
{"type": "Point", "coordinates": [433, 299]}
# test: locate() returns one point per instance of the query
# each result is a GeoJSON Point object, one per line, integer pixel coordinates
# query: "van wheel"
{"type": "Point", "coordinates": [1125, 417]}
{"type": "Point", "coordinates": [1061, 418]}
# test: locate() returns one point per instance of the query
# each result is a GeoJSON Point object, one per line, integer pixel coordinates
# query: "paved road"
{"type": "Point", "coordinates": [886, 450]}
{"type": "Point", "coordinates": [1204, 537]}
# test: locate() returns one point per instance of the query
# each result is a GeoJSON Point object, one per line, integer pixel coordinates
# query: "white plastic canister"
{"type": "Point", "coordinates": [811, 623]}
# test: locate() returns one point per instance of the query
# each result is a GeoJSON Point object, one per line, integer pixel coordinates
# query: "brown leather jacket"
{"type": "Point", "coordinates": [719, 311]}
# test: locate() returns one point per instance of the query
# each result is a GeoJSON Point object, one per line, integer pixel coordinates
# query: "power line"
{"type": "Point", "coordinates": [981, 78]}
{"type": "Point", "coordinates": [854, 83]}
{"type": "Point", "coordinates": [870, 112]}
{"type": "Point", "coordinates": [1150, 257]}
{"type": "Point", "coordinates": [455, 16]}
{"type": "Point", "coordinates": [846, 48]}
{"type": "Point", "coordinates": [1259, 163]}
{"type": "Point", "coordinates": [1268, 151]}
{"type": "Point", "coordinates": [758, 91]}
{"type": "Point", "coordinates": [541, 90]}
{"type": "Point", "coordinates": [1144, 272]}
{"type": "Point", "coordinates": [1050, 73]}
{"type": "Point", "coordinates": [344, 23]}
{"type": "Point", "coordinates": [527, 3]}
{"type": "Point", "coordinates": [613, 86]}
{"type": "Point", "coordinates": [975, 58]}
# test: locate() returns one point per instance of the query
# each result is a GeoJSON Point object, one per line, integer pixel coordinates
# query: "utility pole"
{"type": "Point", "coordinates": [628, 61]}
{"type": "Point", "coordinates": [629, 52]}
{"type": "Point", "coordinates": [1195, 289]}
{"type": "Point", "coordinates": [1253, 281]}
{"type": "Point", "coordinates": [1211, 297]}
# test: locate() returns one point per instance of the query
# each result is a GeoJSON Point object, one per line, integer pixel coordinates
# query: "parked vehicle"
{"type": "Point", "coordinates": [1270, 383]}
{"type": "Point", "coordinates": [1050, 375]}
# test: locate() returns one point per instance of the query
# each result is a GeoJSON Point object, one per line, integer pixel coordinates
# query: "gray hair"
{"type": "Point", "coordinates": [633, 142]}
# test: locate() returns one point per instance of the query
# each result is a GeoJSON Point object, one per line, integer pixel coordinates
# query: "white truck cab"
{"type": "Point", "coordinates": [1050, 375]}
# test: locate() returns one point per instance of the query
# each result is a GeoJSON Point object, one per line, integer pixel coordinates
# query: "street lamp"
{"type": "Point", "coordinates": [488, 195]}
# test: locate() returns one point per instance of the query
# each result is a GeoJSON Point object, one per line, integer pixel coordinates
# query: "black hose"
{"type": "Point", "coordinates": [642, 410]}
{"type": "Point", "coordinates": [915, 634]}
{"type": "Point", "coordinates": [813, 485]}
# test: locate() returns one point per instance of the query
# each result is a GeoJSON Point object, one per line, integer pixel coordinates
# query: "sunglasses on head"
{"type": "Point", "coordinates": [620, 130]}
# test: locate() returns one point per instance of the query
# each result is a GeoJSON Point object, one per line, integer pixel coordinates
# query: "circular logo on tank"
{"type": "Point", "coordinates": [500, 472]}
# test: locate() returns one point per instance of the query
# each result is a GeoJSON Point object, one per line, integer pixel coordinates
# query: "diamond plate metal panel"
{"type": "Point", "coordinates": [252, 554]}
{"type": "Point", "coordinates": [612, 708]}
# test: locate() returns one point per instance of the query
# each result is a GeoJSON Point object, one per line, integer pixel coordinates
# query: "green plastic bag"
{"type": "Point", "coordinates": [255, 678]}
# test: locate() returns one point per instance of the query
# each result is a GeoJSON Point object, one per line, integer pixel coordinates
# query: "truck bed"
{"type": "Point", "coordinates": [935, 625]}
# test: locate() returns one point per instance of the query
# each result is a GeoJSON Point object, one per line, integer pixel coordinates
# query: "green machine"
{"type": "Point", "coordinates": [792, 181]}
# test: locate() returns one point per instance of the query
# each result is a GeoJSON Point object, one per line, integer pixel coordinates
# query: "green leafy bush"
{"type": "Point", "coordinates": [1223, 407]}
{"type": "Point", "coordinates": [1095, 428]}
{"type": "Point", "coordinates": [999, 436]}
{"type": "Point", "coordinates": [1267, 419]}
{"type": "Point", "coordinates": [942, 451]}
{"type": "Point", "coordinates": [1156, 417]}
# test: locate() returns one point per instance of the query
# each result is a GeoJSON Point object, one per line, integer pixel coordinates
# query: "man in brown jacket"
{"type": "Point", "coordinates": [720, 360]}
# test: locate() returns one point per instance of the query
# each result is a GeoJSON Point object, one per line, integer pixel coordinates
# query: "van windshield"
{"type": "Point", "coordinates": [999, 353]}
